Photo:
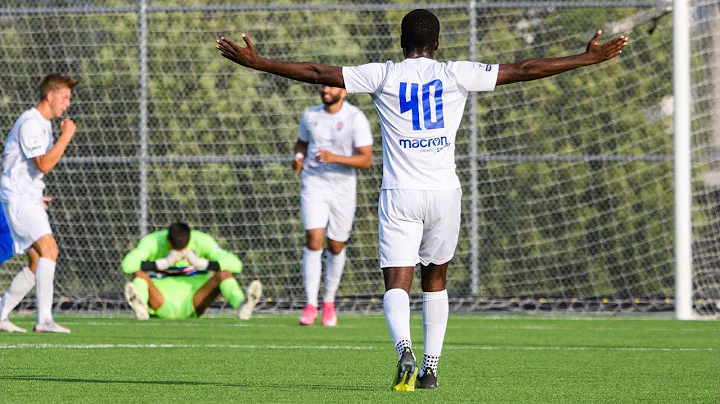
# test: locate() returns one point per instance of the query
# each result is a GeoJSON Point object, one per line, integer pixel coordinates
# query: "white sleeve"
{"type": "Point", "coordinates": [472, 76]}
{"type": "Point", "coordinates": [33, 139]}
{"type": "Point", "coordinates": [362, 136]}
{"type": "Point", "coordinates": [365, 79]}
{"type": "Point", "coordinates": [303, 134]}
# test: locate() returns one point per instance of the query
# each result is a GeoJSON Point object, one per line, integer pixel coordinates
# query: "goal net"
{"type": "Point", "coordinates": [567, 181]}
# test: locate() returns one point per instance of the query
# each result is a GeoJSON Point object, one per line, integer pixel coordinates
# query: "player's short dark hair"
{"type": "Point", "coordinates": [178, 235]}
{"type": "Point", "coordinates": [420, 31]}
{"type": "Point", "coordinates": [54, 82]}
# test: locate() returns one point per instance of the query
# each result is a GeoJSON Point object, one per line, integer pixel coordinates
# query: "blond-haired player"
{"type": "Point", "coordinates": [30, 153]}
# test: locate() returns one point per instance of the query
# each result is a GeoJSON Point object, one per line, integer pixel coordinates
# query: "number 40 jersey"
{"type": "Point", "coordinates": [420, 102]}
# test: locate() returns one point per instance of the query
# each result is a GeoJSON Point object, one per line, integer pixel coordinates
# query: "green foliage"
{"type": "Point", "coordinates": [563, 226]}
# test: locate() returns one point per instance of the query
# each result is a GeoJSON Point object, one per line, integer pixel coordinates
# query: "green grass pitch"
{"type": "Point", "coordinates": [513, 359]}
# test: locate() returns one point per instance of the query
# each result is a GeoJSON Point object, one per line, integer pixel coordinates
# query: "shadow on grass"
{"type": "Point", "coordinates": [284, 386]}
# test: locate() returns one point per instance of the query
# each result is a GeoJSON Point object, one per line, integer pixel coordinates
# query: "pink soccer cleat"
{"type": "Point", "coordinates": [328, 318]}
{"type": "Point", "coordinates": [309, 315]}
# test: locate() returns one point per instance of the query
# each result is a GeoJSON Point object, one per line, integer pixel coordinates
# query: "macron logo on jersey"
{"type": "Point", "coordinates": [437, 143]}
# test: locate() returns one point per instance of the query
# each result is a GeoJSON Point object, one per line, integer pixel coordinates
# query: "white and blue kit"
{"type": "Point", "coordinates": [420, 102]}
{"type": "Point", "coordinates": [22, 185]}
{"type": "Point", "coordinates": [328, 195]}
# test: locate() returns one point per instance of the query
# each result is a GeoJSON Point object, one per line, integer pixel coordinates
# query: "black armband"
{"type": "Point", "coordinates": [148, 266]}
{"type": "Point", "coordinates": [213, 266]}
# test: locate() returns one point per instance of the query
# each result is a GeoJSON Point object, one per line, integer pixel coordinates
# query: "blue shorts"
{"type": "Point", "coordinates": [6, 242]}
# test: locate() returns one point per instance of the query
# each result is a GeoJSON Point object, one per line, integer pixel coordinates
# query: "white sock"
{"type": "Point", "coordinates": [45, 278]}
{"type": "Point", "coordinates": [20, 286]}
{"type": "Point", "coordinates": [312, 268]}
{"type": "Point", "coordinates": [435, 319]}
{"type": "Point", "coordinates": [334, 266]}
{"type": "Point", "coordinates": [396, 304]}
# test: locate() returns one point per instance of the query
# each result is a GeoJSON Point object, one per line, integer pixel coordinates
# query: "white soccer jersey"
{"type": "Point", "coordinates": [340, 133]}
{"type": "Point", "coordinates": [420, 103]}
{"type": "Point", "coordinates": [31, 136]}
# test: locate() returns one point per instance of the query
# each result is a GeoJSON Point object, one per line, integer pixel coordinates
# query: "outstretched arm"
{"type": "Point", "coordinates": [301, 71]}
{"type": "Point", "coordinates": [533, 69]}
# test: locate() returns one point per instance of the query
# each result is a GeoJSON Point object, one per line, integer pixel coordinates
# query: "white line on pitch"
{"type": "Point", "coordinates": [344, 347]}
{"type": "Point", "coordinates": [484, 326]}
{"type": "Point", "coordinates": [183, 324]}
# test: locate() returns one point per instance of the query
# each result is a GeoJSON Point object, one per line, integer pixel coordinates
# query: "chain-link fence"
{"type": "Point", "coordinates": [567, 181]}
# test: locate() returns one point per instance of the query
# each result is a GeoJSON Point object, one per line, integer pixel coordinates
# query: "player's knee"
{"type": "Point", "coordinates": [47, 248]}
{"type": "Point", "coordinates": [142, 275]}
{"type": "Point", "coordinates": [335, 247]}
{"type": "Point", "coordinates": [224, 275]}
{"type": "Point", "coordinates": [398, 278]}
{"type": "Point", "coordinates": [314, 244]}
{"type": "Point", "coordinates": [314, 239]}
{"type": "Point", "coordinates": [434, 284]}
{"type": "Point", "coordinates": [53, 253]}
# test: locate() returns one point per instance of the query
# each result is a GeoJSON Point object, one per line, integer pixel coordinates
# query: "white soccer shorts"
{"type": "Point", "coordinates": [418, 226]}
{"type": "Point", "coordinates": [27, 220]}
{"type": "Point", "coordinates": [329, 209]}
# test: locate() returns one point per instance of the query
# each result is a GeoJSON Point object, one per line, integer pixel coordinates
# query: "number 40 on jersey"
{"type": "Point", "coordinates": [412, 103]}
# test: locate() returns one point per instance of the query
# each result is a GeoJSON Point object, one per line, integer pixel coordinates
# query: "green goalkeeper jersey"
{"type": "Point", "coordinates": [155, 246]}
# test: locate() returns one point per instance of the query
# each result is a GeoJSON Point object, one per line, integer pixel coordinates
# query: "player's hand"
{"type": "Point", "coordinates": [46, 200]}
{"type": "Point", "coordinates": [175, 256]}
{"type": "Point", "coordinates": [598, 53]}
{"type": "Point", "coordinates": [244, 56]}
{"type": "Point", "coordinates": [200, 264]}
{"type": "Point", "coordinates": [297, 164]}
{"type": "Point", "coordinates": [189, 255]}
{"type": "Point", "coordinates": [325, 156]}
{"type": "Point", "coordinates": [170, 260]}
{"type": "Point", "coordinates": [67, 127]}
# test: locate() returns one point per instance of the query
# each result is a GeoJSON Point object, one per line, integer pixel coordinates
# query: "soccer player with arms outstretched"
{"type": "Point", "coordinates": [30, 153]}
{"type": "Point", "coordinates": [333, 140]}
{"type": "Point", "coordinates": [178, 272]}
{"type": "Point", "coordinates": [420, 102]}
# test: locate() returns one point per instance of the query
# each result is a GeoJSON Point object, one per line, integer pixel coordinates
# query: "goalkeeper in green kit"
{"type": "Point", "coordinates": [179, 272]}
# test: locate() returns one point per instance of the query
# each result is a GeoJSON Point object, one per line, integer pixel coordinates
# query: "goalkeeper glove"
{"type": "Point", "coordinates": [170, 260]}
{"type": "Point", "coordinates": [201, 264]}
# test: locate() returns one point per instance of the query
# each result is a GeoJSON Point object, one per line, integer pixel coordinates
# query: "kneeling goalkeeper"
{"type": "Point", "coordinates": [179, 272]}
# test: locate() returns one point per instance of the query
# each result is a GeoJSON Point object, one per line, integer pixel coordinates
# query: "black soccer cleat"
{"type": "Point", "coordinates": [428, 380]}
{"type": "Point", "coordinates": [407, 371]}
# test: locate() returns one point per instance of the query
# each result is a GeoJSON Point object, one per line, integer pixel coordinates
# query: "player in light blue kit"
{"type": "Point", "coordinates": [420, 102]}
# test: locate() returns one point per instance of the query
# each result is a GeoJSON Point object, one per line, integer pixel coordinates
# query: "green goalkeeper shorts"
{"type": "Point", "coordinates": [178, 293]}
{"type": "Point", "coordinates": [176, 308]}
